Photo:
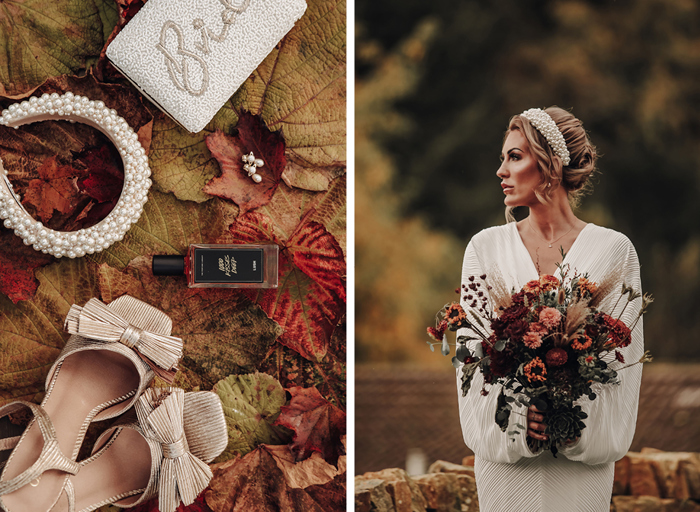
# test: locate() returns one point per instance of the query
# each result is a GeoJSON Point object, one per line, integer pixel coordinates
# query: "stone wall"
{"type": "Point", "coordinates": [646, 481]}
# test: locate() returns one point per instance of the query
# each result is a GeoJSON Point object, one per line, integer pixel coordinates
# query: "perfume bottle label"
{"type": "Point", "coordinates": [228, 265]}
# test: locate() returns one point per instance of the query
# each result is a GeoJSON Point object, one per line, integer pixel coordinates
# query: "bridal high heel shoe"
{"type": "Point", "coordinates": [161, 449]}
{"type": "Point", "coordinates": [113, 355]}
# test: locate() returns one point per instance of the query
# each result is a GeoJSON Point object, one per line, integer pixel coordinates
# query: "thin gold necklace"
{"type": "Point", "coordinates": [529, 223]}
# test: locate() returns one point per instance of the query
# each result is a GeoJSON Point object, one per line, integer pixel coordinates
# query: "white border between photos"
{"type": "Point", "coordinates": [350, 281]}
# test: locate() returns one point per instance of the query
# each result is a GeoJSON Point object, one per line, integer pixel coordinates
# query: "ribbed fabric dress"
{"type": "Point", "coordinates": [509, 477]}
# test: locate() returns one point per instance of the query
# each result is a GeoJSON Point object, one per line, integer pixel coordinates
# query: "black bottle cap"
{"type": "Point", "coordinates": [168, 265]}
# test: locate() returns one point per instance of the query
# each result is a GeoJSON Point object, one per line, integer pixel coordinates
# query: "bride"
{"type": "Point", "coordinates": [547, 160]}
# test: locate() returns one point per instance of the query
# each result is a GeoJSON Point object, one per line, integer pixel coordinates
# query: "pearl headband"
{"type": "Point", "coordinates": [547, 127]}
{"type": "Point", "coordinates": [113, 227]}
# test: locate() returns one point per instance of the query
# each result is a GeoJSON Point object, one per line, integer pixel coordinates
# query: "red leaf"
{"type": "Point", "coordinates": [256, 483]}
{"type": "Point", "coordinates": [54, 191]}
{"type": "Point", "coordinates": [316, 253]}
{"type": "Point", "coordinates": [310, 300]}
{"type": "Point", "coordinates": [318, 425]}
{"type": "Point", "coordinates": [234, 183]}
{"type": "Point", "coordinates": [105, 178]}
{"type": "Point", "coordinates": [17, 264]}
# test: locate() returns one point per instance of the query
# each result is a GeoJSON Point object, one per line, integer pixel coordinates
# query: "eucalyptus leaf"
{"type": "Point", "coordinates": [479, 351]}
{"type": "Point", "coordinates": [520, 426]}
{"type": "Point", "coordinates": [509, 399]}
{"type": "Point", "coordinates": [500, 345]}
{"type": "Point", "coordinates": [445, 349]}
{"type": "Point", "coordinates": [513, 433]}
{"type": "Point", "coordinates": [463, 352]}
{"type": "Point", "coordinates": [456, 362]}
{"type": "Point", "coordinates": [539, 403]}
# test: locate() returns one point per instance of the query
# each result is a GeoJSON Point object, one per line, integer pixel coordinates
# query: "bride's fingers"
{"type": "Point", "coordinates": [537, 435]}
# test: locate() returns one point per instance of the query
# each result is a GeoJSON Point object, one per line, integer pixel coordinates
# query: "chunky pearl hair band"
{"type": "Point", "coordinates": [547, 127]}
{"type": "Point", "coordinates": [113, 227]}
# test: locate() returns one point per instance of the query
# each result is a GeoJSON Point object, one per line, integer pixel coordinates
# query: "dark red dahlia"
{"type": "Point", "coordinates": [516, 329]}
{"type": "Point", "coordinates": [618, 332]}
{"type": "Point", "coordinates": [556, 357]}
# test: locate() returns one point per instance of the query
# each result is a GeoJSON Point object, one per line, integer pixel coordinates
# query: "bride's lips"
{"type": "Point", "coordinates": [506, 188]}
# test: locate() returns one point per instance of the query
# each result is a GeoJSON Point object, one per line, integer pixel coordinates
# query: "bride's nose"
{"type": "Point", "coordinates": [502, 172]}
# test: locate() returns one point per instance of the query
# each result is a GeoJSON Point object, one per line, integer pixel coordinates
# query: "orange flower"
{"type": "Point", "coordinates": [535, 370]}
{"type": "Point", "coordinates": [454, 314]}
{"type": "Point", "coordinates": [581, 345]}
{"type": "Point", "coordinates": [532, 340]}
{"type": "Point", "coordinates": [550, 317]}
{"type": "Point", "coordinates": [587, 286]}
{"type": "Point", "coordinates": [546, 283]}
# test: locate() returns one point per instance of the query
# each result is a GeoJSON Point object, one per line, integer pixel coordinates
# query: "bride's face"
{"type": "Point", "coordinates": [519, 173]}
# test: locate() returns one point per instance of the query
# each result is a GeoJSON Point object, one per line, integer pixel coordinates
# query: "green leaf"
{"type": "Point", "coordinates": [251, 404]}
{"type": "Point", "coordinates": [500, 345]}
{"type": "Point", "coordinates": [43, 39]}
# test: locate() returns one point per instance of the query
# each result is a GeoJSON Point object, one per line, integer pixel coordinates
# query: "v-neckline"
{"type": "Point", "coordinates": [526, 253]}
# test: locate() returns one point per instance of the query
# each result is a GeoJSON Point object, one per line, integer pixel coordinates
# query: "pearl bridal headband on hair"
{"type": "Point", "coordinates": [113, 227]}
{"type": "Point", "coordinates": [547, 127]}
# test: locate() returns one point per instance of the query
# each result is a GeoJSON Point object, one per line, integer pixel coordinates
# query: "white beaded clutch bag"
{"type": "Point", "coordinates": [190, 56]}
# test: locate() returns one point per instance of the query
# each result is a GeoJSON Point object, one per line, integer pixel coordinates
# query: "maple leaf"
{"type": "Point", "coordinates": [234, 183]}
{"type": "Point", "coordinates": [256, 482]}
{"type": "Point", "coordinates": [311, 296]}
{"type": "Point", "coordinates": [55, 190]}
{"type": "Point", "coordinates": [318, 425]}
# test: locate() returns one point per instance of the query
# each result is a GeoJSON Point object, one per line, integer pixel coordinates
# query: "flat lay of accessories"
{"type": "Point", "coordinates": [223, 265]}
{"type": "Point", "coordinates": [159, 445]}
{"type": "Point", "coordinates": [189, 56]}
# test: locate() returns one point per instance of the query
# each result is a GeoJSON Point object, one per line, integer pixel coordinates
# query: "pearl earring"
{"type": "Point", "coordinates": [251, 164]}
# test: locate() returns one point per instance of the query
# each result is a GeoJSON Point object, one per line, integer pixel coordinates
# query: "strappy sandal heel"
{"type": "Point", "coordinates": [162, 450]}
{"type": "Point", "coordinates": [113, 355]}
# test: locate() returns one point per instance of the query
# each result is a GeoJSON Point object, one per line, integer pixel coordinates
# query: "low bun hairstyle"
{"type": "Point", "coordinates": [575, 177]}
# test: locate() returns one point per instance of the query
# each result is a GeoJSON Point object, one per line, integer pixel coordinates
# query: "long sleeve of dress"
{"type": "Point", "coordinates": [612, 416]}
{"type": "Point", "coordinates": [477, 413]}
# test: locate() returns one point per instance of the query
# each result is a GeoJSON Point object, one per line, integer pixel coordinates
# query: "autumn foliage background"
{"type": "Point", "coordinates": [436, 86]}
{"type": "Point", "coordinates": [279, 354]}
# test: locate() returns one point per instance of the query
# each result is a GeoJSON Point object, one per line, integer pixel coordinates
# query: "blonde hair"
{"type": "Point", "coordinates": [575, 177]}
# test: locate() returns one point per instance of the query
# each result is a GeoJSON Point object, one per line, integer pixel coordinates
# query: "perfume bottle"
{"type": "Point", "coordinates": [223, 265]}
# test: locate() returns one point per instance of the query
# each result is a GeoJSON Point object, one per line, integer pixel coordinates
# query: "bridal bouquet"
{"type": "Point", "coordinates": [545, 344]}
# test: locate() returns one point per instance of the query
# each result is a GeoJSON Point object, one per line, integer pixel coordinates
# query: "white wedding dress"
{"type": "Point", "coordinates": [509, 476]}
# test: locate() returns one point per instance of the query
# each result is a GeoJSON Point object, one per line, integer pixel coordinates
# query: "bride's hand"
{"type": "Point", "coordinates": [535, 427]}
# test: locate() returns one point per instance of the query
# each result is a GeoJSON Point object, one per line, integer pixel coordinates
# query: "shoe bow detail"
{"type": "Point", "coordinates": [97, 321]}
{"type": "Point", "coordinates": [182, 475]}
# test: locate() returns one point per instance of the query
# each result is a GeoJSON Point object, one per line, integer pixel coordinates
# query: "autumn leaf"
{"type": "Point", "coordinates": [199, 505]}
{"type": "Point", "coordinates": [17, 264]}
{"type": "Point", "coordinates": [44, 39]}
{"type": "Point", "coordinates": [310, 298]}
{"type": "Point", "coordinates": [255, 482]}
{"type": "Point", "coordinates": [300, 89]}
{"type": "Point", "coordinates": [31, 331]}
{"type": "Point", "coordinates": [251, 405]}
{"type": "Point", "coordinates": [104, 180]}
{"type": "Point", "coordinates": [311, 471]}
{"type": "Point", "coordinates": [317, 424]}
{"type": "Point", "coordinates": [328, 376]}
{"type": "Point", "coordinates": [234, 183]}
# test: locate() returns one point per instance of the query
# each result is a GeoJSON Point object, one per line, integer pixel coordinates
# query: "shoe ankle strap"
{"type": "Point", "coordinates": [50, 457]}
